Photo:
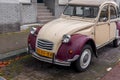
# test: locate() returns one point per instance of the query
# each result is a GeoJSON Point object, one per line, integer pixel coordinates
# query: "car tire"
{"type": "Point", "coordinates": [82, 63]}
{"type": "Point", "coordinates": [116, 43]}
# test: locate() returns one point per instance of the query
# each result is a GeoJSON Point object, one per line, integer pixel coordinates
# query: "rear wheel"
{"type": "Point", "coordinates": [116, 42]}
{"type": "Point", "coordinates": [82, 63]}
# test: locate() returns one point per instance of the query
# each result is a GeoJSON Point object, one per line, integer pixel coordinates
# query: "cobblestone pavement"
{"type": "Point", "coordinates": [114, 74]}
{"type": "Point", "coordinates": [32, 69]}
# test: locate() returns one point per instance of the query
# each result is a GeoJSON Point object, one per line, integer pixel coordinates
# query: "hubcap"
{"type": "Point", "coordinates": [85, 58]}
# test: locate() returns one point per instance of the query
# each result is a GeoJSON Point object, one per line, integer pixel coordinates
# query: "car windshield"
{"type": "Point", "coordinates": [82, 11]}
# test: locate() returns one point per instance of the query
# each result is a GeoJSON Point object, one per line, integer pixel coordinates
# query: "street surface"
{"type": "Point", "coordinates": [29, 68]}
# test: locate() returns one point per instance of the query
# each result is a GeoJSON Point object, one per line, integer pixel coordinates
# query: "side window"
{"type": "Point", "coordinates": [69, 10]}
{"type": "Point", "coordinates": [104, 14]}
{"type": "Point", "coordinates": [87, 11]}
{"type": "Point", "coordinates": [113, 13]}
{"type": "Point", "coordinates": [79, 11]}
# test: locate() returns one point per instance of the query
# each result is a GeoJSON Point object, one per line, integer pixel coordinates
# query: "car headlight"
{"type": "Point", "coordinates": [66, 38]}
{"type": "Point", "coordinates": [33, 30]}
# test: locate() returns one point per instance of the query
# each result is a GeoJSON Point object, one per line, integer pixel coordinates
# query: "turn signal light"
{"type": "Point", "coordinates": [70, 51]}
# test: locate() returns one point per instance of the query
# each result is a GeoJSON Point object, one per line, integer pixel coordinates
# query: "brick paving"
{"type": "Point", "coordinates": [114, 74]}
{"type": "Point", "coordinates": [29, 68]}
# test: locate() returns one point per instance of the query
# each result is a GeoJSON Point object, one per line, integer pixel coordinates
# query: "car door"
{"type": "Point", "coordinates": [102, 28]}
{"type": "Point", "coordinates": [113, 18]}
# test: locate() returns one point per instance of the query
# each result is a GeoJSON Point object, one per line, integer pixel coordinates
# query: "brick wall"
{"type": "Point", "coordinates": [9, 17]}
{"type": "Point", "coordinates": [13, 14]}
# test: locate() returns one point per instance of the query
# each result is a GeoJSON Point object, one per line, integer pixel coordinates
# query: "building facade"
{"type": "Point", "coordinates": [14, 13]}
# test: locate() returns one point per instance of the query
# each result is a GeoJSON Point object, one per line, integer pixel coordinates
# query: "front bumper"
{"type": "Point", "coordinates": [53, 61]}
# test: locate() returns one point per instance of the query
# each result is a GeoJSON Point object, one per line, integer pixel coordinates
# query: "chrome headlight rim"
{"type": "Point", "coordinates": [66, 38]}
{"type": "Point", "coordinates": [33, 30]}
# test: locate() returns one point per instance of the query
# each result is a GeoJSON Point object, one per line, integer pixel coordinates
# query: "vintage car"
{"type": "Point", "coordinates": [72, 39]}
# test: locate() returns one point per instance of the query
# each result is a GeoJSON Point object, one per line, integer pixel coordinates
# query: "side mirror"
{"type": "Point", "coordinates": [104, 19]}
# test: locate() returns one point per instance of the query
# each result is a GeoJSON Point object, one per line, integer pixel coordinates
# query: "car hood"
{"type": "Point", "coordinates": [54, 31]}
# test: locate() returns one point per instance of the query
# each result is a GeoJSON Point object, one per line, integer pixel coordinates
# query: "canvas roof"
{"type": "Point", "coordinates": [88, 2]}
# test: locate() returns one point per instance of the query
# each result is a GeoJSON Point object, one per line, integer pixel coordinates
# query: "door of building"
{"type": "Point", "coordinates": [39, 1]}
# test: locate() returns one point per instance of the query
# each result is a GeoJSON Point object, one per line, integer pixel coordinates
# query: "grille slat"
{"type": "Point", "coordinates": [42, 42]}
{"type": "Point", "coordinates": [44, 48]}
{"type": "Point", "coordinates": [45, 44]}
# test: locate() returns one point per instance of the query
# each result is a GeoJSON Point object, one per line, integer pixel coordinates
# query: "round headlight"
{"type": "Point", "coordinates": [33, 30]}
{"type": "Point", "coordinates": [66, 38]}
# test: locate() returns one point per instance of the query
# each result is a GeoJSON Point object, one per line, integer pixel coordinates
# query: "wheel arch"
{"type": "Point", "coordinates": [93, 46]}
{"type": "Point", "coordinates": [76, 44]}
{"type": "Point", "coordinates": [32, 39]}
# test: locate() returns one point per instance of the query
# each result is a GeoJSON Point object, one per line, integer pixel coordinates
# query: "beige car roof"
{"type": "Point", "coordinates": [88, 2]}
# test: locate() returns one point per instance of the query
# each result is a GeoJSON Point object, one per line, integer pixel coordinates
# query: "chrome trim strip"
{"type": "Point", "coordinates": [74, 58]}
{"type": "Point", "coordinates": [63, 63]}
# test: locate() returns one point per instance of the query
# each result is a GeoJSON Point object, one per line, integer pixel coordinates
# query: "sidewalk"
{"type": "Point", "coordinates": [12, 45]}
{"type": "Point", "coordinates": [15, 43]}
{"type": "Point", "coordinates": [114, 74]}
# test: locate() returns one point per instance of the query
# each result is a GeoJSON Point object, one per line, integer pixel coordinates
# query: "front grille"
{"type": "Point", "coordinates": [43, 44]}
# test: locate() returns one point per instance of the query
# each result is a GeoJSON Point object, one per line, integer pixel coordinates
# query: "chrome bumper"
{"type": "Point", "coordinates": [53, 61]}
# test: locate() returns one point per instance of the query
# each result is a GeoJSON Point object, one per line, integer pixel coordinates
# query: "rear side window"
{"type": "Point", "coordinates": [113, 13]}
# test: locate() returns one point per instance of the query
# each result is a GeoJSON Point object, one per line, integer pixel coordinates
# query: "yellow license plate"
{"type": "Point", "coordinates": [44, 53]}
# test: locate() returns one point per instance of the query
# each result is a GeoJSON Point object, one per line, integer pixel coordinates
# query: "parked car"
{"type": "Point", "coordinates": [83, 28]}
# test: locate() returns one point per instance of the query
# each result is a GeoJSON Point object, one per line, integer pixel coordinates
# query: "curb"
{"type": "Point", "coordinates": [12, 54]}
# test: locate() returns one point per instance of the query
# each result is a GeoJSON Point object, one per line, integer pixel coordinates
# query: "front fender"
{"type": "Point", "coordinates": [75, 46]}
{"type": "Point", "coordinates": [32, 39]}
{"type": "Point", "coordinates": [31, 42]}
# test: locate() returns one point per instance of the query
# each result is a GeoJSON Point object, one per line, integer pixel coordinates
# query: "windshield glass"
{"type": "Point", "coordinates": [82, 11]}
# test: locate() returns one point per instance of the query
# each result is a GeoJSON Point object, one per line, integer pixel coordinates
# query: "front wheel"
{"type": "Point", "coordinates": [82, 63]}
